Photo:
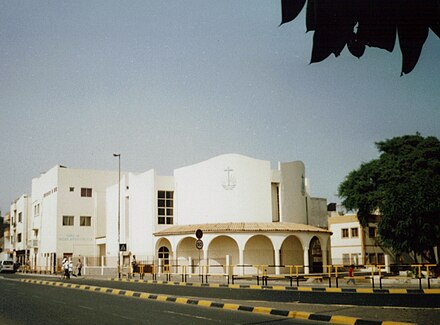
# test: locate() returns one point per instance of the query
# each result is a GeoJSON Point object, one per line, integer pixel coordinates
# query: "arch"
{"type": "Point", "coordinates": [259, 251]}
{"type": "Point", "coordinates": [291, 253]}
{"type": "Point", "coordinates": [187, 253]}
{"type": "Point", "coordinates": [315, 255]}
{"type": "Point", "coordinates": [219, 248]}
{"type": "Point", "coordinates": [163, 246]}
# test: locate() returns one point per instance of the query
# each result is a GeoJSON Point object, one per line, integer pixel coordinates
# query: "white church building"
{"type": "Point", "coordinates": [250, 214]}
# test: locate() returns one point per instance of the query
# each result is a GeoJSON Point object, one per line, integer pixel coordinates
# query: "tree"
{"type": "Point", "coordinates": [361, 23]}
{"type": "Point", "coordinates": [403, 185]}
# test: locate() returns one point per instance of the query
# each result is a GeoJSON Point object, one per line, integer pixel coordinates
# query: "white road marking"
{"type": "Point", "coordinates": [192, 316]}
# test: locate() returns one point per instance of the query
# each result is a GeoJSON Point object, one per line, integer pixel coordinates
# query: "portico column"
{"type": "Point", "coordinates": [306, 261]}
{"type": "Point", "coordinates": [241, 261]}
{"type": "Point", "coordinates": [277, 261]}
{"type": "Point", "coordinates": [324, 259]}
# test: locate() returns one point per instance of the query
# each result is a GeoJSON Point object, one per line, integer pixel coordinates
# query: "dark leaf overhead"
{"type": "Point", "coordinates": [361, 23]}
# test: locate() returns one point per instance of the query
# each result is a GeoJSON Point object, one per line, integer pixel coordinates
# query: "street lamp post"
{"type": "Point", "coordinates": [119, 211]}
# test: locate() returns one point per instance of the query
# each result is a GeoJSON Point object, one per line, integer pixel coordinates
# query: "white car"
{"type": "Point", "coordinates": [7, 266]}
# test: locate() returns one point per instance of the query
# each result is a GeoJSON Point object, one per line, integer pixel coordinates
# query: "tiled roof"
{"type": "Point", "coordinates": [240, 227]}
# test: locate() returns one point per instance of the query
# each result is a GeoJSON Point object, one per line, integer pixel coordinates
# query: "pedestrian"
{"type": "Point", "coordinates": [351, 274]}
{"type": "Point", "coordinates": [71, 268]}
{"type": "Point", "coordinates": [65, 268]}
{"type": "Point", "coordinates": [79, 267]}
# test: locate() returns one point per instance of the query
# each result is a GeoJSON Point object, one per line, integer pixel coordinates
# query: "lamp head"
{"type": "Point", "coordinates": [116, 155]}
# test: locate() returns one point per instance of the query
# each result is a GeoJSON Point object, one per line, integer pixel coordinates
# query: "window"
{"type": "Point", "coordinates": [165, 207]}
{"type": "Point", "coordinates": [372, 232]}
{"type": "Point", "coordinates": [164, 254]}
{"type": "Point", "coordinates": [355, 232]}
{"type": "Point", "coordinates": [86, 192]}
{"type": "Point", "coordinates": [19, 216]}
{"type": "Point", "coordinates": [372, 258]}
{"type": "Point", "coordinates": [344, 232]}
{"type": "Point", "coordinates": [19, 238]}
{"type": "Point", "coordinates": [381, 258]}
{"type": "Point", "coordinates": [346, 258]}
{"type": "Point", "coordinates": [71, 189]}
{"type": "Point", "coordinates": [85, 221]}
{"type": "Point", "coordinates": [67, 220]}
{"type": "Point", "coordinates": [37, 209]}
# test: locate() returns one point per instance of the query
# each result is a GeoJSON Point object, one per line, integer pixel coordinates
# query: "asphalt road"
{"type": "Point", "coordinates": [24, 303]}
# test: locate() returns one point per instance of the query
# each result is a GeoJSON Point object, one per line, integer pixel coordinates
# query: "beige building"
{"type": "Point", "coordinates": [351, 243]}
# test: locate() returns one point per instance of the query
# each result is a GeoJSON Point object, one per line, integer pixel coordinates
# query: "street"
{"type": "Point", "coordinates": [24, 303]}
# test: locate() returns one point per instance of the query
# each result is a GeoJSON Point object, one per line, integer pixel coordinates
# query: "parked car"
{"type": "Point", "coordinates": [7, 266]}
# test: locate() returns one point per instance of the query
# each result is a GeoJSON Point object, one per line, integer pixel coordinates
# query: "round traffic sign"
{"type": "Point", "coordinates": [199, 233]}
{"type": "Point", "coordinates": [199, 244]}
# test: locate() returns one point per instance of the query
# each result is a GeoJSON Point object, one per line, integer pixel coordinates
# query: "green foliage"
{"type": "Point", "coordinates": [404, 185]}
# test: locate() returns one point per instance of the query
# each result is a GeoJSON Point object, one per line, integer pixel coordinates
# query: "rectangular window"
{"type": "Point", "coordinates": [86, 192]}
{"type": "Point", "coordinates": [344, 232]}
{"type": "Point", "coordinates": [19, 238]}
{"type": "Point", "coordinates": [67, 220]}
{"type": "Point", "coordinates": [346, 259]}
{"type": "Point", "coordinates": [355, 232]}
{"type": "Point", "coordinates": [380, 258]}
{"type": "Point", "coordinates": [71, 189]}
{"type": "Point", "coordinates": [372, 232]}
{"type": "Point", "coordinates": [37, 209]}
{"type": "Point", "coordinates": [85, 221]}
{"type": "Point", "coordinates": [372, 258]}
{"type": "Point", "coordinates": [165, 207]}
{"type": "Point", "coordinates": [19, 217]}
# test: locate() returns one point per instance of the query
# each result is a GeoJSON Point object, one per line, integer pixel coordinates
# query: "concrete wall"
{"type": "Point", "coordinates": [227, 188]}
{"type": "Point", "coordinates": [293, 192]}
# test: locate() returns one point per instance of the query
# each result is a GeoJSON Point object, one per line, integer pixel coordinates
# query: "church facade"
{"type": "Point", "coordinates": [249, 214]}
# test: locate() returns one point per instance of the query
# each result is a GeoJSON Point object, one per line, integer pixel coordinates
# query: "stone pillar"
{"type": "Point", "coordinates": [189, 269]}
{"type": "Point", "coordinates": [324, 259]}
{"type": "Point", "coordinates": [241, 261]}
{"type": "Point", "coordinates": [277, 261]}
{"type": "Point", "coordinates": [306, 261]}
{"type": "Point", "coordinates": [387, 263]}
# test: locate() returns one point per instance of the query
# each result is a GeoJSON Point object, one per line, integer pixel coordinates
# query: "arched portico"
{"type": "Point", "coordinates": [250, 244]}
{"type": "Point", "coordinates": [187, 254]}
{"type": "Point", "coordinates": [164, 253]}
{"type": "Point", "coordinates": [259, 250]}
{"type": "Point", "coordinates": [223, 250]}
{"type": "Point", "coordinates": [291, 253]}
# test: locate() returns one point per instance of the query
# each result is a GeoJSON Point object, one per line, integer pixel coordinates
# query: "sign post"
{"type": "Point", "coordinates": [199, 246]}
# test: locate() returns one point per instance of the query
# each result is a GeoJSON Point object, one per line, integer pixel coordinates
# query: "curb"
{"type": "Point", "coordinates": [335, 319]}
{"type": "Point", "coordinates": [284, 288]}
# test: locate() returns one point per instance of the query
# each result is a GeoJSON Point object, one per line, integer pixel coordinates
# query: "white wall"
{"type": "Point", "coordinates": [205, 196]}
{"type": "Point", "coordinates": [142, 212]}
{"type": "Point", "coordinates": [292, 197]}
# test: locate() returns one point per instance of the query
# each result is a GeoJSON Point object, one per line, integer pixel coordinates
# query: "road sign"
{"type": "Point", "coordinates": [122, 247]}
{"type": "Point", "coordinates": [199, 244]}
{"type": "Point", "coordinates": [199, 234]}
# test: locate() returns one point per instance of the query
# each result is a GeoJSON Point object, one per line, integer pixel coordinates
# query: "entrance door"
{"type": "Point", "coordinates": [315, 256]}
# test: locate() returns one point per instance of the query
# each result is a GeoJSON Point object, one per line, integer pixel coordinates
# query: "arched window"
{"type": "Point", "coordinates": [164, 255]}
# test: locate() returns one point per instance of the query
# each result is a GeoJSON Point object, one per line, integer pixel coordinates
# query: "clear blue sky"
{"type": "Point", "coordinates": [172, 83]}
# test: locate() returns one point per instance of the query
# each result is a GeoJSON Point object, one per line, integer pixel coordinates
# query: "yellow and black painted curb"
{"type": "Point", "coordinates": [335, 319]}
{"type": "Point", "coordinates": [284, 288]}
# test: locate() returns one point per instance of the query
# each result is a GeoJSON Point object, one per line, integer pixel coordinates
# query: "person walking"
{"type": "Point", "coordinates": [65, 268]}
{"type": "Point", "coordinates": [351, 274]}
{"type": "Point", "coordinates": [79, 267]}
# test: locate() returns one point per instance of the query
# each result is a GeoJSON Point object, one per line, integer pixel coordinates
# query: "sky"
{"type": "Point", "coordinates": [172, 83]}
